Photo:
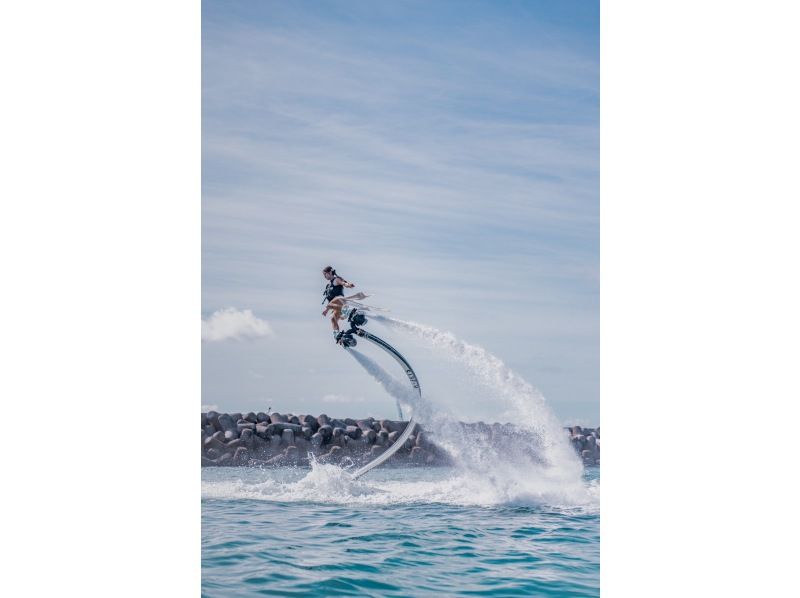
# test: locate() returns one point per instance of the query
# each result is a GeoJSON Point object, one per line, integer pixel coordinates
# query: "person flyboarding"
{"type": "Point", "coordinates": [350, 309]}
{"type": "Point", "coordinates": [334, 295]}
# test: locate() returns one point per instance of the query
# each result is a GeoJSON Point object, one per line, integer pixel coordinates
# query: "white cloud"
{"type": "Point", "coordinates": [332, 398]}
{"type": "Point", "coordinates": [236, 324]}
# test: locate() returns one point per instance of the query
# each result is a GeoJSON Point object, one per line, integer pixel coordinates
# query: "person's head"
{"type": "Point", "coordinates": [329, 272]}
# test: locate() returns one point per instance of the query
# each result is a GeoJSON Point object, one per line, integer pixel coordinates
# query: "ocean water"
{"type": "Point", "coordinates": [396, 532]}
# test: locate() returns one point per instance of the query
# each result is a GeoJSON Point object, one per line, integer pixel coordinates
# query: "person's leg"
{"type": "Point", "coordinates": [335, 306]}
{"type": "Point", "coordinates": [332, 305]}
{"type": "Point", "coordinates": [337, 315]}
{"type": "Point", "coordinates": [336, 303]}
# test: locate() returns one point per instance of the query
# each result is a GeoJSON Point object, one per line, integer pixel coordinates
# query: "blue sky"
{"type": "Point", "coordinates": [442, 155]}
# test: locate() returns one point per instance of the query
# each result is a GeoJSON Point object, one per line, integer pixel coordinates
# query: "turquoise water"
{"type": "Point", "coordinates": [396, 532]}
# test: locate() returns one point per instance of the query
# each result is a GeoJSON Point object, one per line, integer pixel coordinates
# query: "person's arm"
{"type": "Point", "coordinates": [345, 284]}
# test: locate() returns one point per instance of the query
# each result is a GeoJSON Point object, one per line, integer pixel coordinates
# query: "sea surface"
{"type": "Point", "coordinates": [396, 532]}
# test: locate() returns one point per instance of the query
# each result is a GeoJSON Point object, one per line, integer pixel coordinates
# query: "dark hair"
{"type": "Point", "coordinates": [329, 269]}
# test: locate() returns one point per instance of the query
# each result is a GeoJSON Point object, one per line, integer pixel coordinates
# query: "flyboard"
{"type": "Point", "coordinates": [357, 319]}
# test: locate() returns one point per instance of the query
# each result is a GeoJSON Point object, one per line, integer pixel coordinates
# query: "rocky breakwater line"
{"type": "Point", "coordinates": [260, 439]}
{"type": "Point", "coordinates": [586, 441]}
{"type": "Point", "coordinates": [275, 439]}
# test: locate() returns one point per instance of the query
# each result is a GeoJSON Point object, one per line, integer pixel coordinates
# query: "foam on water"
{"type": "Point", "coordinates": [324, 483]}
{"type": "Point", "coordinates": [330, 484]}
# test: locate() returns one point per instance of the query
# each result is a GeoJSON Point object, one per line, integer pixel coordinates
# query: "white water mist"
{"type": "Point", "coordinates": [529, 460]}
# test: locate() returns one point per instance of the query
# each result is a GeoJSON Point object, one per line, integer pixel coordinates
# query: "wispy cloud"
{"type": "Point", "coordinates": [444, 156]}
{"type": "Point", "coordinates": [234, 324]}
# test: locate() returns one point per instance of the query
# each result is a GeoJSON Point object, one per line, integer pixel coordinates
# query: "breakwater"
{"type": "Point", "coordinates": [586, 442]}
{"type": "Point", "coordinates": [275, 439]}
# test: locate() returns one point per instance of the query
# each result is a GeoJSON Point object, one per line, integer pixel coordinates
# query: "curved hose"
{"type": "Point", "coordinates": [401, 440]}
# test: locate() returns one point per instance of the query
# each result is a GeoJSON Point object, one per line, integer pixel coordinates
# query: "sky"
{"type": "Point", "coordinates": [443, 156]}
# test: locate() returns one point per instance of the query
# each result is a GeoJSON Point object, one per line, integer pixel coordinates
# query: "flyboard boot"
{"type": "Point", "coordinates": [344, 338]}
{"type": "Point", "coordinates": [355, 319]}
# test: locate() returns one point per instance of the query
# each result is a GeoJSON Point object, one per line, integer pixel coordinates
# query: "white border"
{"type": "Point", "coordinates": [101, 302]}
{"type": "Point", "coordinates": [100, 245]}
{"type": "Point", "coordinates": [699, 297]}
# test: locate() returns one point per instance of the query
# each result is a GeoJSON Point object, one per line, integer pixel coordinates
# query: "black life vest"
{"type": "Point", "coordinates": [333, 290]}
